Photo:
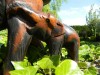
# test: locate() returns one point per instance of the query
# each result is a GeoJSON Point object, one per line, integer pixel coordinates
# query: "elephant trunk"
{"type": "Point", "coordinates": [55, 44]}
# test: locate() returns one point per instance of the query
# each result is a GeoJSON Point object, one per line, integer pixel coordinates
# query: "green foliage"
{"type": "Point", "coordinates": [93, 20]}
{"type": "Point", "coordinates": [53, 6]}
{"type": "Point", "coordinates": [63, 52]}
{"type": "Point", "coordinates": [55, 59]}
{"type": "Point", "coordinates": [23, 68]}
{"type": "Point", "coordinates": [46, 66]}
{"type": "Point", "coordinates": [91, 31]}
{"type": "Point", "coordinates": [85, 33]}
{"type": "Point", "coordinates": [90, 71]}
{"type": "Point", "coordinates": [3, 44]}
{"type": "Point", "coordinates": [21, 64]}
{"type": "Point", "coordinates": [3, 37]}
{"type": "Point", "coordinates": [83, 65]}
{"type": "Point", "coordinates": [80, 28]}
{"type": "Point", "coordinates": [68, 67]}
{"type": "Point", "coordinates": [45, 63]}
{"type": "Point", "coordinates": [31, 70]}
{"type": "Point", "coordinates": [89, 53]}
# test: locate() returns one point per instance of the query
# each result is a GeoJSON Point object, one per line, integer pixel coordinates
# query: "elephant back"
{"type": "Point", "coordinates": [69, 30]}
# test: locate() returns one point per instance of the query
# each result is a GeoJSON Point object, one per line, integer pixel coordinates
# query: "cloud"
{"type": "Point", "coordinates": [74, 21]}
{"type": "Point", "coordinates": [68, 12]}
{"type": "Point", "coordinates": [95, 7]}
{"type": "Point", "coordinates": [75, 16]}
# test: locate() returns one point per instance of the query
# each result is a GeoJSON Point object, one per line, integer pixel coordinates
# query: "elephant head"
{"type": "Point", "coordinates": [51, 31]}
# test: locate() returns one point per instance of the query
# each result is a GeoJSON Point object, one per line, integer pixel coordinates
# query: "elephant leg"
{"type": "Point", "coordinates": [3, 19]}
{"type": "Point", "coordinates": [18, 41]}
{"type": "Point", "coordinates": [3, 23]}
{"type": "Point", "coordinates": [35, 50]}
{"type": "Point", "coordinates": [72, 48]}
{"type": "Point", "coordinates": [1, 68]}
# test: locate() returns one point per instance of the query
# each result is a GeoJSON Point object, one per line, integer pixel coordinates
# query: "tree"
{"type": "Point", "coordinates": [53, 6]}
{"type": "Point", "coordinates": [93, 20]}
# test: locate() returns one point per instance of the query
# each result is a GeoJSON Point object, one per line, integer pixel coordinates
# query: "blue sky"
{"type": "Point", "coordinates": [73, 12]}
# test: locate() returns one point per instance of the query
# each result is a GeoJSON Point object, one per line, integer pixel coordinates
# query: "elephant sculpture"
{"type": "Point", "coordinates": [52, 31]}
{"type": "Point", "coordinates": [25, 20]}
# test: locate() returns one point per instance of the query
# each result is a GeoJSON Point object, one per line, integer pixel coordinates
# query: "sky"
{"type": "Point", "coordinates": [73, 12]}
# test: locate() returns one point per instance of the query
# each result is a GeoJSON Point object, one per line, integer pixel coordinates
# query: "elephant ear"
{"type": "Point", "coordinates": [46, 2]}
{"type": "Point", "coordinates": [48, 15]}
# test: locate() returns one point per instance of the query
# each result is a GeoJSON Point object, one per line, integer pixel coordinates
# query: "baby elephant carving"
{"type": "Point", "coordinates": [53, 32]}
{"type": "Point", "coordinates": [44, 27]}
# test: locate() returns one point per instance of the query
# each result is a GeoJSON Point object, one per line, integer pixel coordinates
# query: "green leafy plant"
{"type": "Point", "coordinates": [46, 66]}
{"type": "Point", "coordinates": [89, 56]}
{"type": "Point", "coordinates": [68, 67]}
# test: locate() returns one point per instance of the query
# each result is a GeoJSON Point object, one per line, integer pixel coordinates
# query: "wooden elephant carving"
{"type": "Point", "coordinates": [24, 21]}
{"type": "Point", "coordinates": [51, 31]}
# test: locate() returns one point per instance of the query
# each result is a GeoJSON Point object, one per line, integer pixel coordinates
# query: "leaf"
{"type": "Point", "coordinates": [64, 52]}
{"type": "Point", "coordinates": [92, 47]}
{"type": "Point", "coordinates": [82, 65]}
{"type": "Point", "coordinates": [86, 72]}
{"type": "Point", "coordinates": [0, 60]}
{"type": "Point", "coordinates": [84, 47]}
{"type": "Point", "coordinates": [98, 50]}
{"type": "Point", "coordinates": [18, 72]}
{"type": "Point", "coordinates": [3, 40]}
{"type": "Point", "coordinates": [90, 71]}
{"type": "Point", "coordinates": [31, 70]}
{"type": "Point", "coordinates": [17, 65]}
{"type": "Point", "coordinates": [84, 51]}
{"type": "Point", "coordinates": [68, 67]}
{"type": "Point", "coordinates": [55, 59]}
{"type": "Point", "coordinates": [20, 64]}
{"type": "Point", "coordinates": [93, 70]}
{"type": "Point", "coordinates": [39, 74]}
{"type": "Point", "coordinates": [45, 63]}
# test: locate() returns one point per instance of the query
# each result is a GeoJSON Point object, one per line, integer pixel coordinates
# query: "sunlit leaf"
{"type": "Point", "coordinates": [45, 63]}
{"type": "Point", "coordinates": [68, 67]}
{"type": "Point", "coordinates": [26, 71]}
{"type": "Point", "coordinates": [20, 64]}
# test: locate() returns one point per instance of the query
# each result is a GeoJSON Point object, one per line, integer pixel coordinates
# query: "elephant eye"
{"type": "Point", "coordinates": [47, 20]}
{"type": "Point", "coordinates": [59, 24]}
